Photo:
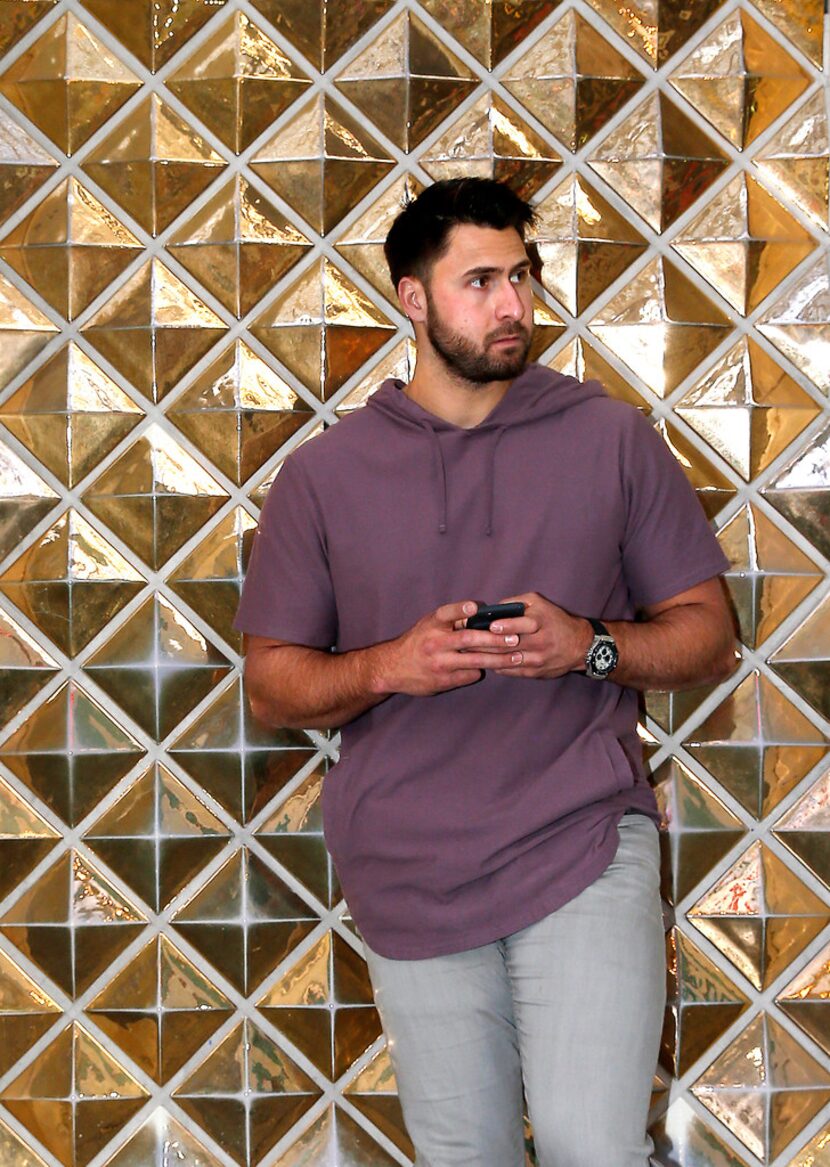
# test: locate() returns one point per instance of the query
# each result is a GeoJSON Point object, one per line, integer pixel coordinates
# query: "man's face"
{"type": "Point", "coordinates": [479, 307]}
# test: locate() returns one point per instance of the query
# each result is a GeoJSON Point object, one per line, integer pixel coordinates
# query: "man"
{"type": "Point", "coordinates": [489, 817]}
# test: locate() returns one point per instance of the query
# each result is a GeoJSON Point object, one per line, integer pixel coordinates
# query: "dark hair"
{"type": "Point", "coordinates": [420, 234]}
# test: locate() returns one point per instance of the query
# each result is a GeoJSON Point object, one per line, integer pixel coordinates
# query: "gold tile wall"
{"type": "Point", "coordinates": [193, 194]}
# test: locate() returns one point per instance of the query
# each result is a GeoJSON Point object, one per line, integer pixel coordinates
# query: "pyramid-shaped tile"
{"type": "Point", "coordinates": [806, 999]}
{"type": "Point", "coordinates": [583, 243]}
{"type": "Point", "coordinates": [240, 762]}
{"type": "Point", "coordinates": [322, 162]}
{"type": "Point", "coordinates": [490, 140]}
{"type": "Point", "coordinates": [71, 582]}
{"type": "Point", "coordinates": [238, 81]}
{"type": "Point", "coordinates": [765, 1087]}
{"type": "Point", "coordinates": [16, 1150]}
{"type": "Point", "coordinates": [69, 248]}
{"type": "Point", "coordinates": [162, 1136]}
{"type": "Point", "coordinates": [157, 666]}
{"type": "Point", "coordinates": [573, 80]}
{"type": "Point", "coordinates": [27, 1013]}
{"type": "Point", "coordinates": [157, 836]}
{"type": "Point", "coordinates": [25, 839]}
{"type": "Point", "coordinates": [245, 920]}
{"type": "Point", "coordinates": [798, 323]}
{"type": "Point", "coordinates": [803, 660]}
{"type": "Point", "coordinates": [406, 81]}
{"type": "Point", "coordinates": [25, 667]}
{"type": "Point", "coordinates": [702, 1002]}
{"type": "Point", "coordinates": [747, 408]}
{"type": "Point", "coordinates": [238, 245]}
{"type": "Point", "coordinates": [757, 744]}
{"type": "Point", "coordinates": [70, 414]}
{"type": "Point", "coordinates": [657, 29]}
{"type": "Point", "coordinates": [238, 412]}
{"type": "Point", "coordinates": [670, 710]}
{"type": "Point", "coordinates": [580, 359]}
{"type": "Point", "coordinates": [700, 830]}
{"type": "Point", "coordinates": [155, 496]}
{"type": "Point", "coordinates": [796, 161]}
{"type": "Point", "coordinates": [74, 1097]}
{"type": "Point", "coordinates": [323, 32]}
{"type": "Point", "coordinates": [661, 326]}
{"type": "Point", "coordinates": [805, 828]}
{"type": "Point", "coordinates": [769, 575]}
{"type": "Point", "coordinates": [247, 1094]}
{"type": "Point", "coordinates": [68, 83]}
{"type": "Point", "coordinates": [374, 1092]}
{"type": "Point", "coordinates": [154, 164]}
{"type": "Point", "coordinates": [681, 1135]}
{"type": "Point", "coordinates": [154, 329]}
{"type": "Point", "coordinates": [70, 753]}
{"type": "Point", "coordinates": [292, 834]}
{"type": "Point", "coordinates": [802, 25]}
{"type": "Point", "coordinates": [323, 1004]}
{"type": "Point", "coordinates": [154, 30]}
{"type": "Point", "coordinates": [800, 491]}
{"type": "Point", "coordinates": [209, 579]}
{"type": "Point", "coordinates": [24, 330]}
{"type": "Point", "coordinates": [759, 915]}
{"type": "Point", "coordinates": [24, 164]}
{"type": "Point", "coordinates": [72, 923]}
{"type": "Point", "coordinates": [489, 29]}
{"type": "Point", "coordinates": [362, 243]}
{"type": "Point", "coordinates": [816, 1152]}
{"type": "Point", "coordinates": [160, 1009]}
{"type": "Point", "coordinates": [18, 16]}
{"type": "Point", "coordinates": [25, 499]}
{"type": "Point", "coordinates": [744, 243]}
{"type": "Point", "coordinates": [335, 1137]}
{"type": "Point", "coordinates": [658, 161]}
{"type": "Point", "coordinates": [740, 78]}
{"type": "Point", "coordinates": [323, 328]}
{"type": "Point", "coordinates": [398, 363]}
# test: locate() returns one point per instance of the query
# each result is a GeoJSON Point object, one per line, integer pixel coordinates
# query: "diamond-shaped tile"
{"type": "Point", "coordinates": [24, 331]}
{"type": "Point", "coordinates": [239, 412]}
{"type": "Point", "coordinates": [805, 828]}
{"type": "Point", "coordinates": [573, 80]}
{"type": "Point", "coordinates": [700, 829]}
{"type": "Point", "coordinates": [238, 81]}
{"type": "Point", "coordinates": [362, 243]}
{"type": "Point", "coordinates": [796, 161]}
{"type": "Point", "coordinates": [245, 920]}
{"type": "Point", "coordinates": [162, 1136]}
{"type": "Point", "coordinates": [237, 760]}
{"type": "Point", "coordinates": [802, 24]}
{"type": "Point", "coordinates": [406, 81]}
{"type": "Point", "coordinates": [661, 326]}
{"type": "Point", "coordinates": [323, 328]}
{"type": "Point", "coordinates": [760, 915]}
{"type": "Point", "coordinates": [399, 363]}
{"type": "Point", "coordinates": [293, 835]}
{"type": "Point", "coordinates": [155, 496]}
{"type": "Point", "coordinates": [580, 359]}
{"type": "Point", "coordinates": [157, 666]}
{"type": "Point", "coordinates": [815, 1153]}
{"type": "Point", "coordinates": [74, 1097]}
{"type": "Point", "coordinates": [335, 1137]}
{"type": "Point", "coordinates": [238, 245]}
{"type": "Point", "coordinates": [154, 30]}
{"type": "Point", "coordinates": [25, 668]}
{"type": "Point", "coordinates": [160, 1009]}
{"type": "Point", "coordinates": [70, 753]}
{"type": "Point", "coordinates": [322, 162]}
{"type": "Point", "coordinates": [68, 83]}
{"type": "Point", "coordinates": [740, 78]}
{"type": "Point", "coordinates": [801, 491]}
{"type": "Point", "coordinates": [69, 248]}
{"type": "Point", "coordinates": [657, 29]}
{"type": "Point", "coordinates": [803, 660]}
{"type": "Point", "coordinates": [24, 164]}
{"type": "Point", "coordinates": [374, 1092]}
{"type": "Point", "coordinates": [582, 243]}
{"type": "Point", "coordinates": [806, 999]}
{"type": "Point", "coordinates": [157, 836]}
{"type": "Point", "coordinates": [681, 1136]}
{"type": "Point", "coordinates": [25, 839]}
{"type": "Point", "coordinates": [658, 161]}
{"type": "Point", "coordinates": [17, 17]}
{"type": "Point", "coordinates": [764, 1087]}
{"type": "Point", "coordinates": [25, 499]}
{"type": "Point", "coordinates": [323, 1004]}
{"type": "Point", "coordinates": [72, 922]}
{"type": "Point", "coordinates": [798, 324]}
{"type": "Point", "coordinates": [489, 29]}
{"type": "Point", "coordinates": [323, 32]}
{"type": "Point", "coordinates": [27, 1013]}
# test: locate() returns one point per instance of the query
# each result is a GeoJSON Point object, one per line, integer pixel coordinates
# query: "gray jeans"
{"type": "Point", "coordinates": [569, 1009]}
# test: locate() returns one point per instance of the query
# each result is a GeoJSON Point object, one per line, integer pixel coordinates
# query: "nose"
{"type": "Point", "coordinates": [510, 305]}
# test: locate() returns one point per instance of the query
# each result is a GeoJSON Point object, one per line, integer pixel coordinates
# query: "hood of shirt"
{"type": "Point", "coordinates": [537, 392]}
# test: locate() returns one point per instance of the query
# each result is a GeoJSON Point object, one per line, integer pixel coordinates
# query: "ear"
{"type": "Point", "coordinates": [413, 299]}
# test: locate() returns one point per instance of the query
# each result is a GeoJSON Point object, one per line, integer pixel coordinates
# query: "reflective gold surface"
{"type": "Point", "coordinates": [25, 667]}
{"type": "Point", "coordinates": [25, 499]}
{"type": "Point", "coordinates": [24, 330]}
{"type": "Point", "coordinates": [796, 160]}
{"type": "Point", "coordinates": [154, 30]}
{"type": "Point", "coordinates": [681, 1136]}
{"type": "Point", "coordinates": [805, 826]}
{"type": "Point", "coordinates": [803, 660]}
{"type": "Point", "coordinates": [655, 28]}
{"type": "Point", "coordinates": [580, 359]}
{"type": "Point", "coordinates": [18, 16]}
{"type": "Point", "coordinates": [323, 32]}
{"type": "Point", "coordinates": [800, 491]}
{"type": "Point", "coordinates": [489, 29]}
{"type": "Point", "coordinates": [798, 323]}
{"type": "Point", "coordinates": [24, 163]}
{"type": "Point", "coordinates": [362, 243]}
{"type": "Point", "coordinates": [163, 1139]}
{"type": "Point", "coordinates": [806, 999]}
{"type": "Point", "coordinates": [25, 839]}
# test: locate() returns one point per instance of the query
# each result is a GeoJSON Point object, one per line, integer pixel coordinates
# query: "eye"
{"type": "Point", "coordinates": [478, 282]}
{"type": "Point", "coordinates": [520, 277]}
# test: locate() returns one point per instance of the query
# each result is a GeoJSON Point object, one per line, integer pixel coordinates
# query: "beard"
{"type": "Point", "coordinates": [479, 366]}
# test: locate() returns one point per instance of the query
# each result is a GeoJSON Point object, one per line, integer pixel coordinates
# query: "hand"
{"type": "Point", "coordinates": [551, 642]}
{"type": "Point", "coordinates": [439, 653]}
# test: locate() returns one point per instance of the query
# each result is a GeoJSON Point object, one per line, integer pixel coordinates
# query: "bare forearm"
{"type": "Point", "coordinates": [306, 688]}
{"type": "Point", "coordinates": [681, 648]}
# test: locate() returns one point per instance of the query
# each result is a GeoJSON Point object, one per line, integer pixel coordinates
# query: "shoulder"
{"type": "Point", "coordinates": [334, 444]}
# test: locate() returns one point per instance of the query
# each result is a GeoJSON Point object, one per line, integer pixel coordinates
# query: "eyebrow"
{"type": "Point", "coordinates": [487, 271]}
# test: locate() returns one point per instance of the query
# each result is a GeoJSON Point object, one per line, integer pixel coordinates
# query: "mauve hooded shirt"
{"type": "Point", "coordinates": [457, 819]}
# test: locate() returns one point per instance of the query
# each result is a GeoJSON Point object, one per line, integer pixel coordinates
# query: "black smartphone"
{"type": "Point", "coordinates": [488, 613]}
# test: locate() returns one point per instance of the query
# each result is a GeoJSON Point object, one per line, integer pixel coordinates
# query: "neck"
{"type": "Point", "coordinates": [438, 390]}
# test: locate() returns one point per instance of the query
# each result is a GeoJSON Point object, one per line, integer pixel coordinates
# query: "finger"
{"type": "Point", "coordinates": [491, 661]}
{"type": "Point", "coordinates": [471, 639]}
{"type": "Point", "coordinates": [518, 626]}
{"type": "Point", "coordinates": [456, 612]}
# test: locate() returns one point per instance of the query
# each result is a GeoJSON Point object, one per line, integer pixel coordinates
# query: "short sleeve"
{"type": "Point", "coordinates": [287, 593]}
{"type": "Point", "coordinates": [669, 545]}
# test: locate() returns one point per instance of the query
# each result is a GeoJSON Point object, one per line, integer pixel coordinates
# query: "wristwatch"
{"type": "Point", "coordinates": [601, 658]}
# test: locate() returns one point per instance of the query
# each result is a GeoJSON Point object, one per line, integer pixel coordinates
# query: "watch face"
{"type": "Point", "coordinates": [604, 657]}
